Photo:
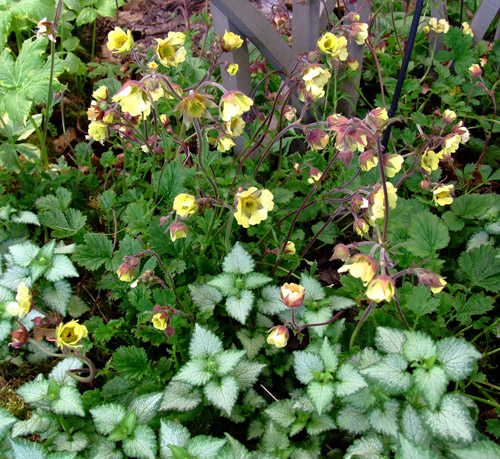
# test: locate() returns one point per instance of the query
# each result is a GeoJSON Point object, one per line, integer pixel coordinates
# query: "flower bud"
{"type": "Point", "coordinates": [361, 227]}
{"type": "Point", "coordinates": [19, 337]}
{"type": "Point", "coordinates": [376, 117]}
{"type": "Point", "coordinates": [290, 113]}
{"type": "Point", "coordinates": [425, 184]}
{"type": "Point", "coordinates": [127, 269]}
{"type": "Point", "coordinates": [367, 160]}
{"type": "Point", "coordinates": [289, 248]}
{"type": "Point", "coordinates": [314, 175]}
{"type": "Point", "coordinates": [353, 17]}
{"type": "Point", "coordinates": [432, 280]}
{"type": "Point", "coordinates": [449, 116]}
{"type": "Point", "coordinates": [380, 289]}
{"type": "Point", "coordinates": [279, 336]}
{"type": "Point", "coordinates": [352, 64]}
{"type": "Point", "coordinates": [340, 252]}
{"type": "Point", "coordinates": [292, 295]}
{"type": "Point", "coordinates": [475, 71]}
{"type": "Point", "coordinates": [178, 230]}
{"type": "Point", "coordinates": [231, 41]}
{"type": "Point", "coordinates": [346, 156]}
{"type": "Point", "coordinates": [317, 139]}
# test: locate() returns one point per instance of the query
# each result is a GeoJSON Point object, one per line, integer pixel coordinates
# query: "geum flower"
{"type": "Point", "coordinates": [70, 334]}
{"type": "Point", "coordinates": [315, 77]}
{"type": "Point", "coordinates": [442, 195]}
{"type": "Point", "coordinates": [430, 161]}
{"type": "Point", "coordinates": [380, 289]}
{"type": "Point", "coordinates": [185, 204]}
{"type": "Point", "coordinates": [233, 104]}
{"type": "Point", "coordinates": [170, 50]}
{"type": "Point", "coordinates": [279, 336]}
{"type": "Point", "coordinates": [292, 295]}
{"type": "Point", "coordinates": [360, 266]}
{"type": "Point", "coordinates": [23, 303]}
{"type": "Point", "coordinates": [231, 41]}
{"type": "Point", "coordinates": [333, 46]}
{"type": "Point", "coordinates": [376, 209]}
{"type": "Point", "coordinates": [253, 206]}
{"type": "Point", "coordinates": [120, 42]}
{"type": "Point", "coordinates": [133, 99]}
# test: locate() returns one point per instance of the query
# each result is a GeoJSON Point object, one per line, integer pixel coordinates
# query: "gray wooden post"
{"type": "Point", "coordinates": [438, 11]}
{"type": "Point", "coordinates": [483, 18]}
{"type": "Point", "coordinates": [305, 25]}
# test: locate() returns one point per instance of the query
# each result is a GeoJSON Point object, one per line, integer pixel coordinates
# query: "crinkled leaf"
{"type": "Point", "coordinates": [353, 420]}
{"type": "Point", "coordinates": [194, 372]}
{"type": "Point", "coordinates": [457, 357]}
{"type": "Point", "coordinates": [282, 412]}
{"type": "Point", "coordinates": [312, 288]}
{"type": "Point", "coordinates": [385, 420]}
{"type": "Point", "coordinates": [223, 393]}
{"type": "Point", "coordinates": [204, 297]}
{"type": "Point", "coordinates": [321, 394]}
{"type": "Point", "coordinates": [238, 261]}
{"type": "Point", "coordinates": [180, 396]}
{"type": "Point", "coordinates": [204, 446]}
{"type": "Point", "coordinates": [271, 302]}
{"type": "Point", "coordinates": [204, 343]}
{"type": "Point", "coordinates": [369, 447]}
{"type": "Point", "coordinates": [390, 374]}
{"type": "Point", "coordinates": [432, 384]}
{"type": "Point", "coordinates": [305, 364]}
{"type": "Point", "coordinates": [239, 306]}
{"type": "Point", "coordinates": [428, 234]}
{"type": "Point", "coordinates": [172, 433]}
{"type": "Point", "coordinates": [107, 417]}
{"type": "Point", "coordinates": [389, 340]}
{"type": "Point", "coordinates": [60, 268]}
{"type": "Point", "coordinates": [224, 282]}
{"type": "Point", "coordinates": [227, 360]}
{"type": "Point", "coordinates": [418, 346]}
{"type": "Point", "coordinates": [142, 443]}
{"type": "Point", "coordinates": [247, 373]}
{"type": "Point", "coordinates": [349, 380]}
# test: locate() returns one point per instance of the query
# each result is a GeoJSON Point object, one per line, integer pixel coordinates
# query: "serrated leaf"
{"type": "Point", "coordinates": [26, 217]}
{"type": "Point", "coordinates": [482, 449]}
{"type": "Point", "coordinates": [142, 444]}
{"type": "Point", "coordinates": [223, 393]}
{"type": "Point", "coordinates": [409, 449]}
{"type": "Point", "coordinates": [77, 442]}
{"type": "Point", "coordinates": [418, 346]}
{"type": "Point", "coordinates": [317, 317]}
{"type": "Point", "coordinates": [390, 374]}
{"type": "Point", "coordinates": [60, 268]}
{"type": "Point", "coordinates": [305, 364]}
{"type": "Point", "coordinates": [427, 235]}
{"type": "Point", "coordinates": [340, 303]}
{"type": "Point", "coordinates": [385, 420]}
{"type": "Point", "coordinates": [321, 394]}
{"type": "Point", "coordinates": [319, 424]}
{"type": "Point", "coordinates": [6, 420]}
{"type": "Point", "coordinates": [194, 372]}
{"type": "Point", "coordinates": [180, 396]}
{"type": "Point", "coordinates": [238, 261]}
{"type": "Point", "coordinates": [312, 288]}
{"type": "Point", "coordinates": [452, 221]}
{"type": "Point", "coordinates": [270, 301]}
{"type": "Point", "coordinates": [24, 254]}
{"type": "Point", "coordinates": [451, 421]}
{"type": "Point", "coordinates": [227, 360]}
{"type": "Point", "coordinates": [255, 280]}
{"type": "Point", "coordinates": [353, 420]}
{"type": "Point", "coordinates": [14, 275]}
{"type": "Point", "coordinates": [369, 447]}
{"type": "Point", "coordinates": [131, 362]}
{"type": "Point", "coordinates": [105, 449]}
{"type": "Point", "coordinates": [33, 391]}
{"type": "Point", "coordinates": [282, 412]}
{"type": "Point", "coordinates": [77, 307]}
{"type": "Point", "coordinates": [420, 301]}
{"type": "Point", "coordinates": [107, 417]}
{"type": "Point", "coordinates": [251, 344]}
{"type": "Point", "coordinates": [97, 251]}
{"type": "Point", "coordinates": [239, 306]}
{"type": "Point", "coordinates": [274, 441]}
{"type": "Point", "coordinates": [57, 296]}
{"type": "Point", "coordinates": [457, 357]}
{"type": "Point", "coordinates": [68, 402]}
{"type": "Point", "coordinates": [481, 267]}
{"type": "Point", "coordinates": [172, 433]}
{"type": "Point", "coordinates": [146, 406]}
{"type": "Point", "coordinates": [432, 384]}
{"type": "Point", "coordinates": [35, 424]}
{"type": "Point", "coordinates": [472, 205]}
{"type": "Point", "coordinates": [204, 446]}
{"type": "Point", "coordinates": [59, 372]}
{"type": "Point", "coordinates": [204, 297]}
{"type": "Point", "coordinates": [389, 340]}
{"type": "Point", "coordinates": [412, 427]}
{"type": "Point", "coordinates": [24, 449]}
{"type": "Point", "coordinates": [225, 282]}
{"type": "Point", "coordinates": [329, 356]}
{"type": "Point", "coordinates": [235, 449]}
{"type": "Point", "coordinates": [247, 373]}
{"type": "Point", "coordinates": [204, 343]}
{"type": "Point", "coordinates": [349, 380]}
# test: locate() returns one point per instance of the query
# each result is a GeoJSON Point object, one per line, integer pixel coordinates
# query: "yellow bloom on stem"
{"type": "Point", "coordinates": [359, 32]}
{"type": "Point", "coordinates": [253, 206]}
{"type": "Point", "coordinates": [232, 69]}
{"type": "Point", "coordinates": [442, 282]}
{"type": "Point", "coordinates": [466, 30]}
{"type": "Point", "coordinates": [449, 116]}
{"type": "Point", "coordinates": [120, 42]}
{"type": "Point", "coordinates": [450, 144]}
{"type": "Point", "coordinates": [367, 160]}
{"type": "Point", "coordinates": [475, 71]}
{"type": "Point", "coordinates": [23, 303]}
{"type": "Point", "coordinates": [279, 336]}
{"type": "Point", "coordinates": [336, 47]}
{"type": "Point", "coordinates": [231, 41]}
{"type": "Point", "coordinates": [133, 100]}
{"type": "Point", "coordinates": [289, 248]}
{"type": "Point", "coordinates": [234, 104]}
{"type": "Point", "coordinates": [360, 266]}
{"type": "Point", "coordinates": [377, 207]}
{"type": "Point", "coordinates": [442, 195]}
{"type": "Point", "coordinates": [234, 127]}
{"type": "Point", "coordinates": [98, 131]}
{"type": "Point", "coordinates": [430, 161]}
{"type": "Point", "coordinates": [292, 295]}
{"type": "Point", "coordinates": [392, 164]}
{"type": "Point", "coordinates": [441, 26]}
{"type": "Point", "coordinates": [361, 227]}
{"type": "Point", "coordinates": [100, 93]}
{"type": "Point", "coordinates": [315, 77]}
{"type": "Point", "coordinates": [380, 289]}
{"type": "Point", "coordinates": [170, 50]}
{"type": "Point", "coordinates": [225, 143]}
{"type": "Point", "coordinates": [70, 334]}
{"type": "Point", "coordinates": [185, 204]}
{"type": "Point", "coordinates": [352, 64]}
{"type": "Point", "coordinates": [159, 322]}
{"type": "Point", "coordinates": [178, 230]}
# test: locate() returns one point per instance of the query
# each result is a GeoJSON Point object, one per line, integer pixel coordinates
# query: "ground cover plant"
{"type": "Point", "coordinates": [206, 273]}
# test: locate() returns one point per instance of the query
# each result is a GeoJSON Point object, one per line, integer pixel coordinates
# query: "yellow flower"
{"type": "Point", "coordinates": [178, 230]}
{"type": "Point", "coordinates": [231, 41]}
{"type": "Point", "coordinates": [352, 64]}
{"type": "Point", "coordinates": [232, 69]}
{"type": "Point", "coordinates": [314, 175]}
{"type": "Point", "coordinates": [253, 206]}
{"type": "Point", "coordinates": [233, 104]}
{"type": "Point", "coordinates": [120, 42]}
{"type": "Point", "coordinates": [381, 288]}
{"type": "Point", "coordinates": [185, 204]}
{"type": "Point", "coordinates": [23, 302]}
{"type": "Point", "coordinates": [475, 71]}
{"type": "Point", "coordinates": [442, 195]}
{"type": "Point", "coordinates": [290, 248]}
{"type": "Point", "coordinates": [69, 335]}
{"type": "Point", "coordinates": [359, 32]}
{"type": "Point", "coordinates": [456, 90]}
{"type": "Point", "coordinates": [225, 143]}
{"type": "Point", "coordinates": [392, 164]}
{"type": "Point", "coordinates": [159, 322]}
{"type": "Point", "coordinates": [170, 50]}
{"type": "Point", "coordinates": [361, 227]}
{"type": "Point", "coordinates": [127, 269]}
{"type": "Point", "coordinates": [377, 117]}
{"type": "Point", "coordinates": [292, 295]}
{"type": "Point", "coordinates": [336, 47]}
{"type": "Point", "coordinates": [153, 66]}
{"type": "Point", "coordinates": [367, 161]}
{"type": "Point", "coordinates": [451, 144]}
{"type": "Point", "coordinates": [98, 131]}
{"type": "Point", "coordinates": [430, 161]}
{"type": "Point", "coordinates": [360, 266]}
{"type": "Point", "coordinates": [466, 30]}
{"type": "Point", "coordinates": [449, 116]}
{"type": "Point", "coordinates": [279, 336]}
{"type": "Point", "coordinates": [442, 282]}
{"type": "Point", "coordinates": [234, 127]}
{"type": "Point", "coordinates": [133, 100]}
{"type": "Point", "coordinates": [100, 93]}
{"type": "Point", "coordinates": [315, 77]}
{"type": "Point", "coordinates": [441, 26]}
{"type": "Point", "coordinates": [377, 208]}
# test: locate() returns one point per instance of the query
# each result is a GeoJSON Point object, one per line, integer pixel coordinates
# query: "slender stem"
{"type": "Point", "coordinates": [360, 324]}
{"type": "Point", "coordinates": [200, 158]}
{"type": "Point", "coordinates": [400, 311]}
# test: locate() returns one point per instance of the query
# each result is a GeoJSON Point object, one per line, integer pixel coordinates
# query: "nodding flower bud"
{"type": "Point", "coordinates": [317, 139]}
{"type": "Point", "coordinates": [425, 184]}
{"type": "Point", "coordinates": [381, 288]}
{"type": "Point", "coordinates": [432, 280]}
{"type": "Point", "coordinates": [314, 175]}
{"type": "Point", "coordinates": [361, 227]}
{"type": "Point", "coordinates": [178, 230]}
{"type": "Point", "coordinates": [289, 248]}
{"type": "Point", "coordinates": [127, 269]}
{"type": "Point", "coordinates": [290, 113]}
{"type": "Point", "coordinates": [292, 295]}
{"type": "Point", "coordinates": [19, 337]}
{"type": "Point", "coordinates": [475, 71]}
{"type": "Point", "coordinates": [367, 160]}
{"type": "Point", "coordinates": [353, 17]}
{"type": "Point", "coordinates": [346, 156]}
{"type": "Point", "coordinates": [279, 336]}
{"type": "Point", "coordinates": [449, 116]}
{"type": "Point", "coordinates": [340, 252]}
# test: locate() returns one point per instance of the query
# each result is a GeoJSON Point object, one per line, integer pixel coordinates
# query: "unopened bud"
{"type": "Point", "coordinates": [425, 184]}
{"type": "Point", "coordinates": [475, 71]}
{"type": "Point", "coordinates": [340, 252]}
{"type": "Point", "coordinates": [292, 295]}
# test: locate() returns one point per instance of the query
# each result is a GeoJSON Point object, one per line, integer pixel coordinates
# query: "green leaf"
{"type": "Point", "coordinates": [131, 362]}
{"type": "Point", "coordinates": [349, 380]}
{"type": "Point", "coordinates": [369, 447]}
{"type": "Point", "coordinates": [105, 449]}
{"type": "Point", "coordinates": [420, 301]}
{"type": "Point", "coordinates": [204, 343]}
{"type": "Point", "coordinates": [57, 296]}
{"type": "Point", "coordinates": [107, 417]}
{"type": "Point", "coordinates": [318, 317]}
{"type": "Point", "coordinates": [482, 449]}
{"type": "Point", "coordinates": [319, 424]}
{"type": "Point", "coordinates": [142, 443]}
{"type": "Point", "coordinates": [6, 420]}
{"type": "Point", "coordinates": [26, 217]}
{"type": "Point", "coordinates": [390, 374]}
{"type": "Point", "coordinates": [235, 449]}
{"type": "Point", "coordinates": [146, 406]}
{"type": "Point", "coordinates": [194, 372]}
{"type": "Point", "coordinates": [255, 280]}
{"type": "Point", "coordinates": [390, 340]}
{"type": "Point", "coordinates": [14, 276]}
{"type": "Point", "coordinates": [305, 364]}
{"type": "Point", "coordinates": [270, 301]}
{"type": "Point", "coordinates": [24, 254]}
{"type": "Point", "coordinates": [282, 412]}
{"type": "Point", "coordinates": [412, 427]}
{"type": "Point", "coordinates": [329, 356]}
{"type": "Point", "coordinates": [63, 224]}
{"type": "Point", "coordinates": [409, 449]}
{"type": "Point", "coordinates": [180, 396]}
{"type": "Point", "coordinates": [86, 16]}
{"type": "Point", "coordinates": [274, 441]}
{"type": "Point", "coordinates": [225, 283]}
{"type": "Point", "coordinates": [77, 307]}
{"type": "Point", "coordinates": [481, 266]}
{"type": "Point", "coordinates": [385, 420]}
{"type": "Point", "coordinates": [24, 449]}
{"type": "Point", "coordinates": [204, 297]}
{"type": "Point", "coordinates": [321, 394]}
{"type": "Point", "coordinates": [8, 156]}
{"type": "Point", "coordinates": [427, 235]}
{"type": "Point", "coordinates": [246, 373]}
{"type": "Point", "coordinates": [353, 420]}
{"type": "Point", "coordinates": [205, 447]}
{"type": "Point", "coordinates": [172, 433]}
{"type": "Point", "coordinates": [60, 268]}
{"type": "Point", "coordinates": [453, 222]}
{"type": "Point", "coordinates": [431, 383]}
{"type": "Point", "coordinates": [36, 424]}
{"type": "Point", "coordinates": [227, 360]}
{"type": "Point", "coordinates": [418, 346]}
{"type": "Point", "coordinates": [251, 344]}
{"type": "Point", "coordinates": [239, 306]}
{"type": "Point", "coordinates": [169, 181]}
{"type": "Point", "coordinates": [77, 442]}
{"type": "Point", "coordinates": [223, 393]}
{"type": "Point", "coordinates": [312, 288]}
{"type": "Point", "coordinates": [472, 206]}
{"type": "Point", "coordinates": [457, 357]}
{"type": "Point", "coordinates": [238, 261]}
{"type": "Point", "coordinates": [97, 251]}
{"type": "Point", "coordinates": [452, 421]}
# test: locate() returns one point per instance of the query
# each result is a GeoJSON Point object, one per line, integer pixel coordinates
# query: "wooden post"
{"type": "Point", "coordinates": [483, 18]}
{"type": "Point", "coordinates": [305, 26]}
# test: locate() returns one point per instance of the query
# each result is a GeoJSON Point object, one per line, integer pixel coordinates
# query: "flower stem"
{"type": "Point", "coordinates": [360, 324]}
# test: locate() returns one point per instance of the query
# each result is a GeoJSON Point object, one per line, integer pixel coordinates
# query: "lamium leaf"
{"type": "Point", "coordinates": [60, 268]}
{"type": "Point", "coordinates": [274, 440]}
{"type": "Point", "coordinates": [24, 254]}
{"type": "Point", "coordinates": [227, 360]}
{"type": "Point", "coordinates": [142, 443]}
{"type": "Point", "coordinates": [224, 282]}
{"type": "Point", "coordinates": [282, 412]}
{"type": "Point", "coordinates": [59, 372]}
{"type": "Point", "coordinates": [234, 450]}
{"type": "Point", "coordinates": [6, 420]}
{"type": "Point", "coordinates": [385, 420]}
{"type": "Point", "coordinates": [36, 424]}
{"type": "Point", "coordinates": [238, 261]}
{"type": "Point", "coordinates": [146, 406]}
{"type": "Point", "coordinates": [77, 442]}
{"type": "Point", "coordinates": [390, 374]}
{"type": "Point", "coordinates": [26, 217]}
{"type": "Point", "coordinates": [349, 380]}
{"type": "Point", "coordinates": [353, 420]}
{"type": "Point", "coordinates": [107, 417]}
{"type": "Point", "coordinates": [313, 290]}
{"type": "Point", "coordinates": [321, 394]}
{"type": "Point", "coordinates": [457, 357]}
{"type": "Point", "coordinates": [369, 447]}
{"type": "Point", "coordinates": [14, 275]}
{"type": "Point", "coordinates": [204, 343]}
{"type": "Point", "coordinates": [255, 280]}
{"type": "Point", "coordinates": [318, 317]}
{"type": "Point", "coordinates": [252, 344]}
{"type": "Point", "coordinates": [204, 297]}
{"type": "Point", "coordinates": [180, 396]}
{"type": "Point", "coordinates": [172, 433]}
{"type": "Point", "coordinates": [389, 340]}
{"type": "Point", "coordinates": [319, 424]}
{"type": "Point", "coordinates": [34, 391]}
{"type": "Point", "coordinates": [25, 449]}
{"type": "Point", "coordinates": [329, 356]}
{"type": "Point", "coordinates": [482, 449]}
{"type": "Point", "coordinates": [205, 446]}
{"type": "Point", "coordinates": [194, 372]}
{"type": "Point", "coordinates": [451, 421]}
{"type": "Point", "coordinates": [431, 383]}
{"type": "Point", "coordinates": [270, 301]}
{"type": "Point", "coordinates": [305, 364]}
{"type": "Point", "coordinates": [57, 296]}
{"type": "Point", "coordinates": [362, 399]}
{"type": "Point", "coordinates": [246, 373]}
{"type": "Point", "coordinates": [412, 427]}
{"type": "Point", "coordinates": [104, 449]}
{"type": "Point", "coordinates": [409, 449]}
{"type": "Point", "coordinates": [418, 346]}
{"type": "Point", "coordinates": [223, 393]}
{"type": "Point", "coordinates": [239, 306]}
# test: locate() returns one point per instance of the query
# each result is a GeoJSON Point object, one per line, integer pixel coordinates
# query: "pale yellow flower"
{"type": "Point", "coordinates": [98, 131]}
{"type": "Point", "coordinates": [360, 266]}
{"type": "Point", "coordinates": [377, 208]}
{"type": "Point", "coordinates": [232, 69]}
{"type": "Point", "coordinates": [234, 127]}
{"type": "Point", "coordinates": [380, 289]}
{"type": "Point", "coordinates": [23, 302]}
{"type": "Point", "coordinates": [336, 47]}
{"type": "Point", "coordinates": [279, 336]}
{"type": "Point", "coordinates": [100, 93]}
{"type": "Point", "coordinates": [292, 294]}
{"type": "Point", "coordinates": [253, 206]}
{"type": "Point", "coordinates": [315, 77]}
{"type": "Point", "coordinates": [466, 30]}
{"type": "Point", "coordinates": [170, 50]}
{"type": "Point", "coordinates": [392, 164]}
{"type": "Point", "coordinates": [185, 204]}
{"type": "Point", "coordinates": [133, 100]}
{"type": "Point", "coordinates": [442, 195]}
{"type": "Point", "coordinates": [70, 334]}
{"type": "Point", "coordinates": [231, 41]}
{"type": "Point", "coordinates": [225, 143]}
{"type": "Point", "coordinates": [233, 104]}
{"type": "Point", "coordinates": [430, 161]}
{"type": "Point", "coordinates": [159, 322]}
{"type": "Point", "coordinates": [120, 42]}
